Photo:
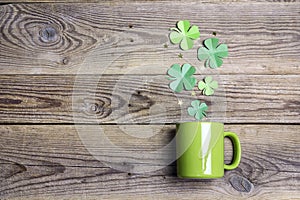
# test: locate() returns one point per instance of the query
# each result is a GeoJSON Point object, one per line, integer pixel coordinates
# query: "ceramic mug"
{"type": "Point", "coordinates": [200, 150]}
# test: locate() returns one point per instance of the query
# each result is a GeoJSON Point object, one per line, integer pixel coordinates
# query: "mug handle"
{"type": "Point", "coordinates": [236, 149]}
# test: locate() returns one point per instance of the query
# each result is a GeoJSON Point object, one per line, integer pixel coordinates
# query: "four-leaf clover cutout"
{"type": "Point", "coordinates": [184, 34]}
{"type": "Point", "coordinates": [198, 109]}
{"type": "Point", "coordinates": [213, 53]}
{"type": "Point", "coordinates": [182, 77]}
{"type": "Point", "coordinates": [208, 86]}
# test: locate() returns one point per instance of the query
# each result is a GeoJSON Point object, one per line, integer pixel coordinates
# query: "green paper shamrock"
{"type": "Point", "coordinates": [182, 76]}
{"type": "Point", "coordinates": [208, 86]}
{"type": "Point", "coordinates": [198, 109]}
{"type": "Point", "coordinates": [184, 34]}
{"type": "Point", "coordinates": [213, 53]}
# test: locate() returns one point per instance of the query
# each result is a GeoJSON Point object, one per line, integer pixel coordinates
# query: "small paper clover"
{"type": "Point", "coordinates": [198, 109]}
{"type": "Point", "coordinates": [184, 34]}
{"type": "Point", "coordinates": [213, 53]}
{"type": "Point", "coordinates": [182, 76]}
{"type": "Point", "coordinates": [208, 86]}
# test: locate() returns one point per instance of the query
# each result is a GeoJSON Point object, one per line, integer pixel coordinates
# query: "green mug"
{"type": "Point", "coordinates": [200, 150]}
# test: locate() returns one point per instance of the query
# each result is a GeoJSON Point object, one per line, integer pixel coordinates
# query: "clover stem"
{"type": "Point", "coordinates": [174, 29]}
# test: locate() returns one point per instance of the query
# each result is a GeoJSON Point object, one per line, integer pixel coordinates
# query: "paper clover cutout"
{"type": "Point", "coordinates": [184, 34]}
{"type": "Point", "coordinates": [213, 53]}
{"type": "Point", "coordinates": [198, 109]}
{"type": "Point", "coordinates": [182, 77]}
{"type": "Point", "coordinates": [208, 86]}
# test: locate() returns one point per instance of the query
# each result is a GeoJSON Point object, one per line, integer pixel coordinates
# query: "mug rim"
{"type": "Point", "coordinates": [198, 122]}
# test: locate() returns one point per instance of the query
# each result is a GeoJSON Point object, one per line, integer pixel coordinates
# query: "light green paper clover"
{"type": "Point", "coordinates": [208, 86]}
{"type": "Point", "coordinates": [182, 77]}
{"type": "Point", "coordinates": [198, 109]}
{"type": "Point", "coordinates": [184, 34]}
{"type": "Point", "coordinates": [213, 53]}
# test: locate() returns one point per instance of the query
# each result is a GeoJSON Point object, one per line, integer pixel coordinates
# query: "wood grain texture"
{"type": "Point", "coordinates": [135, 99]}
{"type": "Point", "coordinates": [50, 161]}
{"type": "Point", "coordinates": [105, 63]}
{"type": "Point", "coordinates": [263, 38]}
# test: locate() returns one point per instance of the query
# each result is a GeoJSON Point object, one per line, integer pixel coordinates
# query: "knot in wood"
{"type": "Point", "coordinates": [139, 101]}
{"type": "Point", "coordinates": [240, 183]}
{"type": "Point", "coordinates": [11, 169]}
{"type": "Point", "coordinates": [94, 108]}
{"type": "Point", "coordinates": [48, 34]}
{"type": "Point", "coordinates": [100, 107]}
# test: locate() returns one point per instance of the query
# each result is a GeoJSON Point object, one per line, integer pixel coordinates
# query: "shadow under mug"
{"type": "Point", "coordinates": [200, 150]}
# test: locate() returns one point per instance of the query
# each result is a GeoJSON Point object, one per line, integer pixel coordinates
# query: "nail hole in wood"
{"type": "Point", "coordinates": [65, 61]}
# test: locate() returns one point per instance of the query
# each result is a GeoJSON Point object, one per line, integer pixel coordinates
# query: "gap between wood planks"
{"type": "Point", "coordinates": [110, 124]}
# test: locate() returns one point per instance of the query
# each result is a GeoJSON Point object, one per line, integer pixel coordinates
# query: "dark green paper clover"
{"type": "Point", "coordinates": [208, 86]}
{"type": "Point", "coordinates": [182, 77]}
{"type": "Point", "coordinates": [213, 53]}
{"type": "Point", "coordinates": [184, 34]}
{"type": "Point", "coordinates": [198, 109]}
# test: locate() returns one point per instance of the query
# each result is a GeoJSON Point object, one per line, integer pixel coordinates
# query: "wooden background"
{"type": "Point", "coordinates": [104, 64]}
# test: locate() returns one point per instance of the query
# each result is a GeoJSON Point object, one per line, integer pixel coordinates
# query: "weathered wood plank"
{"type": "Point", "coordinates": [121, 37]}
{"type": "Point", "coordinates": [133, 99]}
{"type": "Point", "coordinates": [118, 1]}
{"type": "Point", "coordinates": [51, 161]}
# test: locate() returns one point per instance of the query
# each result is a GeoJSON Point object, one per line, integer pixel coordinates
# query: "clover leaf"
{"type": "Point", "coordinates": [213, 53]}
{"type": "Point", "coordinates": [184, 34]}
{"type": "Point", "coordinates": [208, 86]}
{"type": "Point", "coordinates": [198, 109]}
{"type": "Point", "coordinates": [182, 76]}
